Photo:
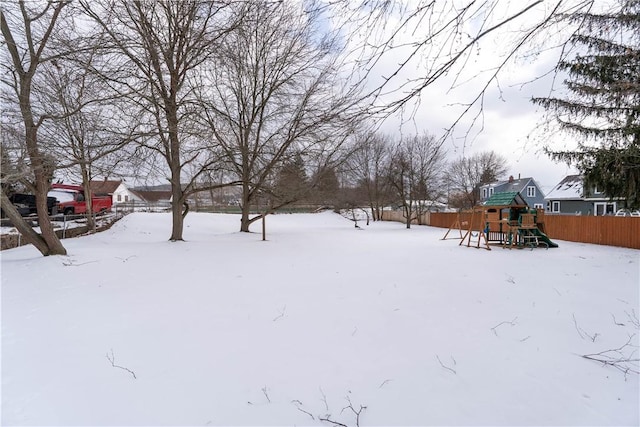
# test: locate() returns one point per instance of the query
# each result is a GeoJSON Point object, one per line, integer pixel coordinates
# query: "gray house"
{"type": "Point", "coordinates": [569, 197]}
{"type": "Point", "coordinates": [527, 187]}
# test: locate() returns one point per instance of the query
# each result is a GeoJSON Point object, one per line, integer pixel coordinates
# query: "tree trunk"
{"type": "Point", "coordinates": [86, 185]}
{"type": "Point", "coordinates": [245, 207]}
{"type": "Point", "coordinates": [177, 222]}
{"type": "Point", "coordinates": [21, 225]}
{"type": "Point", "coordinates": [46, 228]}
{"type": "Point", "coordinates": [408, 212]}
{"type": "Point", "coordinates": [176, 210]}
{"type": "Point", "coordinates": [244, 219]}
{"type": "Point", "coordinates": [42, 177]}
{"type": "Point", "coordinates": [177, 193]}
{"type": "Point", "coordinates": [178, 200]}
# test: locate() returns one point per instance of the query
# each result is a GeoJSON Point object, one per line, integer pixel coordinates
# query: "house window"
{"type": "Point", "coordinates": [596, 190]}
{"type": "Point", "coordinates": [548, 207]}
{"type": "Point", "coordinates": [555, 207]}
{"type": "Point", "coordinates": [531, 191]}
{"type": "Point", "coordinates": [490, 191]}
{"type": "Point", "coordinates": [126, 198]}
{"type": "Point", "coordinates": [119, 197]}
{"type": "Point", "coordinates": [538, 206]}
{"type": "Point", "coordinates": [484, 193]}
{"type": "Point", "coordinates": [604, 208]}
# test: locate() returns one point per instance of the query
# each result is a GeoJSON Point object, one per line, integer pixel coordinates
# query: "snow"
{"type": "Point", "coordinates": [570, 188]}
{"type": "Point", "coordinates": [227, 329]}
{"type": "Point", "coordinates": [62, 196]}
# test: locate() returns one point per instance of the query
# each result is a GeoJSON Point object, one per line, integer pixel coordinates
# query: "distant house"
{"type": "Point", "coordinates": [569, 197]}
{"type": "Point", "coordinates": [528, 189]}
{"type": "Point", "coordinates": [155, 196]}
{"type": "Point", "coordinates": [117, 189]}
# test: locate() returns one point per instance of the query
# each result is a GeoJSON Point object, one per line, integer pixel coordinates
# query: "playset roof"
{"type": "Point", "coordinates": [506, 198]}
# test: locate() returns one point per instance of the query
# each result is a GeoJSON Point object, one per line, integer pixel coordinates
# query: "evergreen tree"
{"type": "Point", "coordinates": [602, 106]}
{"type": "Point", "coordinates": [326, 185]}
{"type": "Point", "coordinates": [291, 184]}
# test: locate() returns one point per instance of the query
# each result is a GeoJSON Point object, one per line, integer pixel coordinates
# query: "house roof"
{"type": "Point", "coordinates": [153, 196]}
{"type": "Point", "coordinates": [105, 186]}
{"type": "Point", "coordinates": [513, 185]}
{"type": "Point", "coordinates": [570, 188]}
{"type": "Point", "coordinates": [506, 198]}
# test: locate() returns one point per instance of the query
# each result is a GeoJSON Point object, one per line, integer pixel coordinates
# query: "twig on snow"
{"type": "Point", "coordinates": [633, 318]}
{"type": "Point", "coordinates": [298, 403]}
{"type": "Point", "coordinates": [615, 322]}
{"type": "Point", "coordinates": [582, 332]}
{"type": "Point", "coordinates": [264, 391]}
{"type": "Point", "coordinates": [111, 358]}
{"type": "Point", "coordinates": [72, 263]}
{"type": "Point", "coordinates": [281, 313]}
{"type": "Point", "coordinates": [625, 363]}
{"type": "Point", "coordinates": [512, 323]}
{"type": "Point", "coordinates": [446, 367]}
{"type": "Point", "coordinates": [324, 399]}
{"type": "Point", "coordinates": [385, 382]}
{"type": "Point", "coordinates": [335, 423]}
{"type": "Point", "coordinates": [357, 414]}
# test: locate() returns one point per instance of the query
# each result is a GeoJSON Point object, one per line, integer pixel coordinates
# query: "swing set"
{"type": "Point", "coordinates": [505, 220]}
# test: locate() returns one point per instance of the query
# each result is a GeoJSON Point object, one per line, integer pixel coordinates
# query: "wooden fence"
{"type": "Point", "coordinates": [601, 230]}
{"type": "Point", "coordinates": [13, 240]}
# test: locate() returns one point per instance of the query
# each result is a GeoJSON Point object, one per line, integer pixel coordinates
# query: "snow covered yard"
{"type": "Point", "coordinates": [225, 329]}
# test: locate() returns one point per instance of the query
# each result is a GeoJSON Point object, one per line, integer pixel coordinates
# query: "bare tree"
{"type": "Point", "coordinates": [442, 39]}
{"type": "Point", "coordinates": [465, 175]}
{"type": "Point", "coordinates": [415, 170]}
{"type": "Point", "coordinates": [277, 94]}
{"type": "Point", "coordinates": [93, 121]}
{"type": "Point", "coordinates": [27, 32]}
{"type": "Point", "coordinates": [368, 165]}
{"type": "Point", "coordinates": [162, 44]}
{"type": "Point", "coordinates": [15, 165]}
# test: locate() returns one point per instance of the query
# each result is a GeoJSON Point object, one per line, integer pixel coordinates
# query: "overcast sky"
{"type": "Point", "coordinates": [511, 126]}
{"type": "Point", "coordinates": [510, 123]}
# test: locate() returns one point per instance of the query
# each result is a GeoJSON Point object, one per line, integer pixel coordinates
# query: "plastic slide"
{"type": "Point", "coordinates": [544, 238]}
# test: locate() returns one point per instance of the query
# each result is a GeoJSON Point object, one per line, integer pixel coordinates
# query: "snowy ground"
{"type": "Point", "coordinates": [225, 329]}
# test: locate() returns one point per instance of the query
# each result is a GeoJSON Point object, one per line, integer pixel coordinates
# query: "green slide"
{"type": "Point", "coordinates": [544, 238]}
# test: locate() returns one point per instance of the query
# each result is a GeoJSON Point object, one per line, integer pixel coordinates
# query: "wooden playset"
{"type": "Point", "coordinates": [506, 220]}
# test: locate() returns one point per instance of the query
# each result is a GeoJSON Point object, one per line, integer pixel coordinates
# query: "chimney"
{"type": "Point", "coordinates": [518, 176]}
{"type": "Point", "coordinates": [511, 178]}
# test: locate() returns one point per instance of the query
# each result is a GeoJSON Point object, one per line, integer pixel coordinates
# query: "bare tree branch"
{"type": "Point", "coordinates": [112, 360]}
{"type": "Point", "coordinates": [444, 366]}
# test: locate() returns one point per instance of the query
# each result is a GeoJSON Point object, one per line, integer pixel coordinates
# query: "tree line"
{"type": "Point", "coordinates": [264, 96]}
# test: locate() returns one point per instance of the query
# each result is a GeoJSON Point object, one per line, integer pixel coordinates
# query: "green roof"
{"type": "Point", "coordinates": [506, 198]}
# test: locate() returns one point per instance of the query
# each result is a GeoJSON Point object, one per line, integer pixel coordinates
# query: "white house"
{"type": "Point", "coordinates": [116, 189]}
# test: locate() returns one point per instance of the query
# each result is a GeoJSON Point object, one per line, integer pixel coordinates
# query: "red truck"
{"type": "Point", "coordinates": [71, 199]}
